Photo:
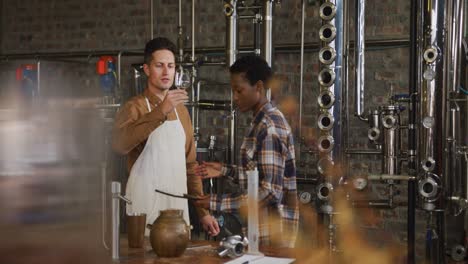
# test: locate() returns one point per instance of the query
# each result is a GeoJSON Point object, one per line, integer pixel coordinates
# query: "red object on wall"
{"type": "Point", "coordinates": [30, 67]}
{"type": "Point", "coordinates": [21, 68]}
{"type": "Point", "coordinates": [19, 74]}
{"type": "Point", "coordinates": [101, 65]}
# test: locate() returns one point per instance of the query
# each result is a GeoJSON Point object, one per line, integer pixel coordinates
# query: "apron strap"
{"type": "Point", "coordinates": [149, 107]}
{"type": "Point", "coordinates": [176, 113]}
{"type": "Point", "coordinates": [148, 104]}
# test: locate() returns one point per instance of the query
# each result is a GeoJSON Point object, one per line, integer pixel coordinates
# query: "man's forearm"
{"type": "Point", "coordinates": [195, 188]}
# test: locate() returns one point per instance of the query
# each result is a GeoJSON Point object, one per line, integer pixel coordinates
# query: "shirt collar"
{"type": "Point", "coordinates": [261, 113]}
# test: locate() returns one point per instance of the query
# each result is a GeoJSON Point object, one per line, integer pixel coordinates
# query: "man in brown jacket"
{"type": "Point", "coordinates": [155, 132]}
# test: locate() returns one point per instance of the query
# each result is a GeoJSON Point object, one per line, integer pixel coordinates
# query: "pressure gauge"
{"type": "Point", "coordinates": [428, 122]}
{"type": "Point", "coordinates": [360, 183]}
{"type": "Point", "coordinates": [305, 197]}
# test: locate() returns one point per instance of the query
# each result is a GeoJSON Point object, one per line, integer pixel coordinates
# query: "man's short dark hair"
{"type": "Point", "coordinates": [158, 44]}
{"type": "Point", "coordinates": [254, 67]}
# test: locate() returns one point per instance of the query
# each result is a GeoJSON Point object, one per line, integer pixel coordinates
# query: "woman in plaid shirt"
{"type": "Point", "coordinates": [268, 146]}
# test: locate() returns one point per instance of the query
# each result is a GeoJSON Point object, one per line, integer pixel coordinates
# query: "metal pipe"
{"type": "Point", "coordinates": [433, 113]}
{"type": "Point", "coordinates": [246, 51]}
{"type": "Point", "coordinates": [232, 40]}
{"type": "Point", "coordinates": [152, 18]}
{"type": "Point", "coordinates": [330, 101]}
{"type": "Point", "coordinates": [456, 31]}
{"type": "Point", "coordinates": [433, 91]}
{"type": "Point", "coordinates": [457, 100]}
{"type": "Point", "coordinates": [374, 133]}
{"type": "Point", "coordinates": [380, 204]}
{"type": "Point", "coordinates": [247, 17]}
{"type": "Point", "coordinates": [310, 151]}
{"type": "Point", "coordinates": [360, 59]}
{"type": "Point", "coordinates": [330, 78]}
{"type": "Point", "coordinates": [119, 73]}
{"type": "Point", "coordinates": [363, 151]}
{"type": "Point", "coordinates": [454, 182]}
{"type": "Point", "coordinates": [180, 35]}
{"type": "Point", "coordinates": [193, 80]}
{"type": "Point", "coordinates": [192, 112]}
{"type": "Point", "coordinates": [412, 140]}
{"type": "Point", "coordinates": [257, 21]}
{"type": "Point", "coordinates": [230, 10]}
{"type": "Point", "coordinates": [346, 57]}
{"type": "Point", "coordinates": [454, 28]}
{"type": "Point", "coordinates": [180, 13]}
{"type": "Point", "coordinates": [38, 77]}
{"type": "Point", "coordinates": [193, 32]}
{"type": "Point", "coordinates": [301, 84]}
{"type": "Point", "coordinates": [390, 117]}
{"type": "Point", "coordinates": [338, 84]}
{"type": "Point", "coordinates": [248, 7]}
{"type": "Point", "coordinates": [281, 48]}
{"type": "Point", "coordinates": [450, 151]}
{"type": "Point", "coordinates": [197, 114]}
{"type": "Point", "coordinates": [210, 105]}
{"type": "Point", "coordinates": [219, 63]}
{"type": "Point", "coordinates": [411, 218]}
{"type": "Point", "coordinates": [232, 136]}
{"type": "Point", "coordinates": [136, 77]}
{"type": "Point", "coordinates": [331, 238]}
{"type": "Point", "coordinates": [194, 69]}
{"type": "Point", "coordinates": [116, 197]}
{"type": "Point", "coordinates": [466, 190]}
{"type": "Point", "coordinates": [86, 62]}
{"type": "Point", "coordinates": [391, 193]}
{"type": "Point", "coordinates": [448, 51]}
{"type": "Point", "coordinates": [115, 221]}
{"type": "Point", "coordinates": [202, 63]}
{"type": "Point", "coordinates": [267, 33]}
{"type": "Point", "coordinates": [74, 54]}
{"type": "Point", "coordinates": [386, 177]}
{"type": "Point", "coordinates": [104, 203]}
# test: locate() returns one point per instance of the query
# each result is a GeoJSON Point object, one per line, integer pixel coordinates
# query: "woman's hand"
{"type": "Point", "coordinates": [208, 170]}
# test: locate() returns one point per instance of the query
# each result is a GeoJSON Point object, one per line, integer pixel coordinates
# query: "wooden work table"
{"type": "Point", "coordinates": [203, 252]}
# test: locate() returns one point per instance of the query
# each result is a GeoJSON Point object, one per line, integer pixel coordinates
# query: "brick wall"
{"type": "Point", "coordinates": [29, 26]}
{"type": "Point", "coordinates": [71, 25]}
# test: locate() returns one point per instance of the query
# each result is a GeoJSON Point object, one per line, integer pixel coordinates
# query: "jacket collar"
{"type": "Point", "coordinates": [153, 99]}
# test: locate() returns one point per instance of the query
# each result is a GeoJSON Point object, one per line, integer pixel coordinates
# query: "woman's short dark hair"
{"type": "Point", "coordinates": [254, 67]}
{"type": "Point", "coordinates": [158, 44]}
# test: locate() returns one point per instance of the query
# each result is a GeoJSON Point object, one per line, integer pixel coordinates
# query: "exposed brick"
{"type": "Point", "coordinates": [74, 25]}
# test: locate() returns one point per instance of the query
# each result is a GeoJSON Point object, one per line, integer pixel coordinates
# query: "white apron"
{"type": "Point", "coordinates": [161, 165]}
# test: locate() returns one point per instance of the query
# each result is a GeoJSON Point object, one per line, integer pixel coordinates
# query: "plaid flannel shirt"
{"type": "Point", "coordinates": [268, 146]}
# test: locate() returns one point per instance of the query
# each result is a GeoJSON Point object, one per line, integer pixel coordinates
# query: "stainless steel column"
{"type": "Point", "coordinates": [232, 32]}
{"type": "Point", "coordinates": [390, 120]}
{"type": "Point", "coordinates": [267, 36]}
{"type": "Point", "coordinates": [330, 79]}
{"type": "Point", "coordinates": [116, 196]}
{"type": "Point", "coordinates": [232, 43]}
{"type": "Point", "coordinates": [432, 102]}
{"type": "Point", "coordinates": [360, 58]}
{"type": "Point", "coordinates": [433, 112]}
{"type": "Point", "coordinates": [267, 33]}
